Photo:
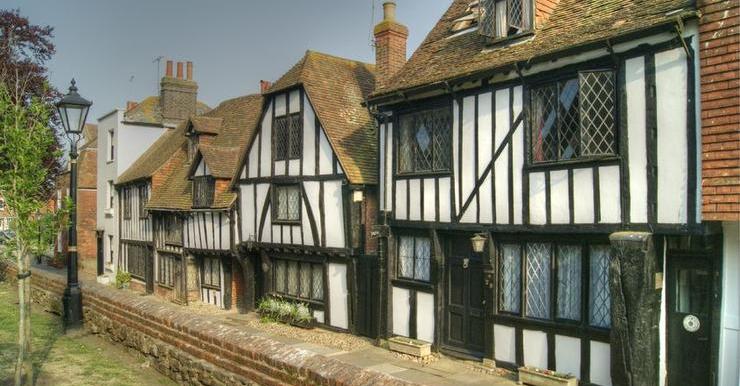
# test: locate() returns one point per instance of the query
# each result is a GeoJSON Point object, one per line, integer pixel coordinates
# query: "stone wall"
{"type": "Point", "coordinates": [193, 349]}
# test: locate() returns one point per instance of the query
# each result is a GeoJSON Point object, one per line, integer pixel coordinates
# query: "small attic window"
{"type": "Point", "coordinates": [192, 146]}
{"type": "Point", "coordinates": [499, 19]}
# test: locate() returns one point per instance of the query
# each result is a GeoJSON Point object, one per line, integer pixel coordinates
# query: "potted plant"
{"type": "Point", "coordinates": [541, 377]}
{"type": "Point", "coordinates": [410, 346]}
{"type": "Point", "coordinates": [302, 317]}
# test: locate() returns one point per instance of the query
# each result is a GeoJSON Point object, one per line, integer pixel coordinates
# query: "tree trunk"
{"type": "Point", "coordinates": [24, 365]}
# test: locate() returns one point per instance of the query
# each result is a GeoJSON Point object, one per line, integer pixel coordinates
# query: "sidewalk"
{"type": "Point", "coordinates": [342, 347]}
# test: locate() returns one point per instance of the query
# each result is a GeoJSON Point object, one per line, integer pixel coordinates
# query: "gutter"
{"type": "Point", "coordinates": [445, 85]}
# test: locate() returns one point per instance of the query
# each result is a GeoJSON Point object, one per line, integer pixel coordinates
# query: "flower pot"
{"type": "Point", "coordinates": [538, 377]}
{"type": "Point", "coordinates": [410, 346]}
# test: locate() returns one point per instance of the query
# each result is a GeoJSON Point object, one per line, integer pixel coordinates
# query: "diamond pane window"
{"type": "Point", "coordinates": [425, 141]}
{"type": "Point", "coordinates": [599, 295]}
{"type": "Point", "coordinates": [598, 101]}
{"type": "Point", "coordinates": [538, 280]}
{"type": "Point", "coordinates": [295, 136]}
{"type": "Point", "coordinates": [502, 18]}
{"type": "Point", "coordinates": [317, 291]}
{"type": "Point", "coordinates": [280, 272]}
{"type": "Point", "coordinates": [287, 203]}
{"type": "Point", "coordinates": [511, 278]}
{"type": "Point", "coordinates": [574, 118]}
{"type": "Point", "coordinates": [280, 138]}
{"type": "Point", "coordinates": [293, 278]}
{"type": "Point", "coordinates": [569, 282]}
{"type": "Point", "coordinates": [305, 291]}
{"type": "Point", "coordinates": [414, 258]}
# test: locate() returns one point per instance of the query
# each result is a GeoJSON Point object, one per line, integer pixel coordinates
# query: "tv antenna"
{"type": "Point", "coordinates": [158, 68]}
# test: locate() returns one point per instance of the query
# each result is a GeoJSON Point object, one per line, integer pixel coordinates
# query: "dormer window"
{"type": "Point", "coordinates": [204, 186]}
{"type": "Point", "coordinates": [505, 18]}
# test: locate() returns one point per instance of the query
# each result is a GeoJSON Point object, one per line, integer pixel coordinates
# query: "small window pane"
{"type": "Point", "coordinates": [511, 271]}
{"type": "Point", "coordinates": [538, 280]}
{"type": "Point", "coordinates": [305, 280]}
{"type": "Point", "coordinates": [295, 136]}
{"type": "Point", "coordinates": [318, 282]}
{"type": "Point", "coordinates": [288, 205]}
{"type": "Point", "coordinates": [293, 278]}
{"type": "Point", "coordinates": [544, 123]}
{"type": "Point", "coordinates": [599, 296]}
{"type": "Point", "coordinates": [406, 257]}
{"type": "Point", "coordinates": [569, 129]}
{"type": "Point", "coordinates": [692, 289]}
{"type": "Point", "coordinates": [598, 101]}
{"type": "Point", "coordinates": [280, 138]}
{"type": "Point", "coordinates": [569, 282]}
{"type": "Point", "coordinates": [294, 203]}
{"type": "Point", "coordinates": [423, 257]}
{"type": "Point", "coordinates": [280, 272]}
{"type": "Point", "coordinates": [425, 143]}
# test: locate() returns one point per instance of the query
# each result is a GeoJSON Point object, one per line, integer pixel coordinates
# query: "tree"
{"type": "Point", "coordinates": [25, 137]}
{"type": "Point", "coordinates": [24, 50]}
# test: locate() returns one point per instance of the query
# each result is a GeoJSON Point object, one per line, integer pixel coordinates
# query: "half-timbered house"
{"type": "Point", "coordinates": [306, 191]}
{"type": "Point", "coordinates": [538, 172]}
{"type": "Point", "coordinates": [194, 212]}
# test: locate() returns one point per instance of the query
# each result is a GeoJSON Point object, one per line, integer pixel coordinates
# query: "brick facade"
{"type": "Point", "coordinates": [178, 95]}
{"type": "Point", "coordinates": [719, 53]}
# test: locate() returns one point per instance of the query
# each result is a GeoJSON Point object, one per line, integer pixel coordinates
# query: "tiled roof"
{"type": "Point", "coordinates": [207, 125]}
{"type": "Point", "coordinates": [443, 57]}
{"type": "Point", "coordinates": [150, 111]}
{"type": "Point", "coordinates": [337, 87]}
{"type": "Point", "coordinates": [156, 156]}
{"type": "Point", "coordinates": [238, 119]}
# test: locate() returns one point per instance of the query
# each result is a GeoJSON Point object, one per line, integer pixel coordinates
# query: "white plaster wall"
{"type": "Point", "coordinates": [107, 171]}
{"type": "Point", "coordinates": [729, 346]}
{"type": "Point", "coordinates": [505, 341]}
{"type": "Point", "coordinates": [568, 355]}
{"type": "Point", "coordinates": [535, 348]}
{"type": "Point", "coordinates": [600, 364]}
{"type": "Point", "coordinates": [133, 141]}
{"type": "Point", "coordinates": [401, 311]}
{"type": "Point", "coordinates": [425, 316]}
{"type": "Point", "coordinates": [338, 291]}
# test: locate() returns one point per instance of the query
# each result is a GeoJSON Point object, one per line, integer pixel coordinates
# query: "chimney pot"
{"type": "Point", "coordinates": [168, 72]}
{"type": "Point", "coordinates": [130, 105]}
{"type": "Point", "coordinates": [264, 86]}
{"type": "Point", "coordinates": [179, 70]}
{"type": "Point", "coordinates": [189, 71]}
{"type": "Point", "coordinates": [389, 11]}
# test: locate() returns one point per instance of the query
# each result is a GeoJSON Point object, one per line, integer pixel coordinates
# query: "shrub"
{"type": "Point", "coordinates": [122, 279]}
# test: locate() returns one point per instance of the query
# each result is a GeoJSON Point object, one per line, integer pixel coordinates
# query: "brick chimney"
{"type": "Point", "coordinates": [177, 95]}
{"type": "Point", "coordinates": [390, 45]}
{"type": "Point", "coordinates": [264, 86]}
{"type": "Point", "coordinates": [131, 104]}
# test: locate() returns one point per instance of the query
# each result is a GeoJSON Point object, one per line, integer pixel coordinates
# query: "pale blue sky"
{"type": "Point", "coordinates": [108, 47]}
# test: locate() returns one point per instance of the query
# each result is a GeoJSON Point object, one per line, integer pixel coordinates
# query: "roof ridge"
{"type": "Point", "coordinates": [332, 56]}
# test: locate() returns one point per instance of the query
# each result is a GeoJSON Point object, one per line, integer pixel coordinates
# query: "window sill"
{"type": "Point", "coordinates": [493, 43]}
{"type": "Point", "coordinates": [593, 161]}
{"type": "Point", "coordinates": [318, 303]}
{"type": "Point", "coordinates": [166, 286]}
{"type": "Point", "coordinates": [109, 212]}
{"type": "Point", "coordinates": [286, 222]}
{"type": "Point", "coordinates": [409, 175]}
{"type": "Point", "coordinates": [413, 284]}
{"type": "Point", "coordinates": [210, 286]}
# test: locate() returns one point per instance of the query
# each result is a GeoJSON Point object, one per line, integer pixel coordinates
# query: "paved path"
{"type": "Point", "coordinates": [348, 348]}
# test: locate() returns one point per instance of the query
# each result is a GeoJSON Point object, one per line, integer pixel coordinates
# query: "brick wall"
{"type": "Point", "coordinates": [87, 244]}
{"type": "Point", "coordinates": [237, 284]}
{"type": "Point", "coordinates": [390, 49]}
{"type": "Point", "coordinates": [195, 349]}
{"type": "Point", "coordinates": [719, 52]}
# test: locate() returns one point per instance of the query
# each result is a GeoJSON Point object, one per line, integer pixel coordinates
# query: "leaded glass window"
{"type": "Point", "coordinates": [211, 272]}
{"type": "Point", "coordinates": [287, 203]}
{"type": "Point", "coordinates": [414, 257]}
{"type": "Point", "coordinates": [425, 141]}
{"type": "Point", "coordinates": [502, 18]}
{"type": "Point", "coordinates": [299, 280]}
{"type": "Point", "coordinates": [538, 280]}
{"type": "Point", "coordinates": [569, 282]}
{"type": "Point", "coordinates": [574, 118]}
{"type": "Point", "coordinates": [287, 137]}
{"type": "Point", "coordinates": [511, 278]}
{"type": "Point", "coordinates": [599, 295]}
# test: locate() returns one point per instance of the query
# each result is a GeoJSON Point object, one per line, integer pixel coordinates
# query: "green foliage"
{"type": "Point", "coordinates": [25, 137]}
{"type": "Point", "coordinates": [273, 309]}
{"type": "Point", "coordinates": [122, 279]}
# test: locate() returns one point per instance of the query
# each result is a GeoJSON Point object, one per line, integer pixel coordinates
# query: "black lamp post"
{"type": "Point", "coordinates": [72, 111]}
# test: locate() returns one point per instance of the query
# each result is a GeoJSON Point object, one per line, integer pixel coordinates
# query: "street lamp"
{"type": "Point", "coordinates": [72, 111]}
{"type": "Point", "coordinates": [478, 242]}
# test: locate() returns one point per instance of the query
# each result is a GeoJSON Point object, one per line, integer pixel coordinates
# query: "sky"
{"type": "Point", "coordinates": [110, 47]}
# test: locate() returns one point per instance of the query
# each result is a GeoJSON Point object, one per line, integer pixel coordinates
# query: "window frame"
{"type": "Point", "coordinates": [290, 119]}
{"type": "Point", "coordinates": [127, 204]}
{"type": "Point", "coordinates": [554, 77]}
{"type": "Point", "coordinates": [275, 203]}
{"type": "Point", "coordinates": [444, 103]}
{"type": "Point", "coordinates": [111, 197]}
{"type": "Point", "coordinates": [139, 262]}
{"type": "Point", "coordinates": [496, 39]}
{"type": "Point", "coordinates": [313, 265]}
{"type": "Point", "coordinates": [111, 146]}
{"type": "Point", "coordinates": [584, 321]}
{"type": "Point", "coordinates": [210, 283]}
{"type": "Point", "coordinates": [143, 195]}
{"type": "Point", "coordinates": [413, 278]}
{"type": "Point", "coordinates": [166, 269]}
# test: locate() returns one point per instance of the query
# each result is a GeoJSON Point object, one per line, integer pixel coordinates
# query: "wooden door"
{"type": "Point", "coordinates": [689, 323]}
{"type": "Point", "coordinates": [179, 280]}
{"type": "Point", "coordinates": [101, 253]}
{"type": "Point", "coordinates": [465, 305]}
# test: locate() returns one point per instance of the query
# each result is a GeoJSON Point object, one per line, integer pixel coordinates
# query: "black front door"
{"type": "Point", "coordinates": [464, 308]}
{"type": "Point", "coordinates": [689, 305]}
{"type": "Point", "coordinates": [101, 253]}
